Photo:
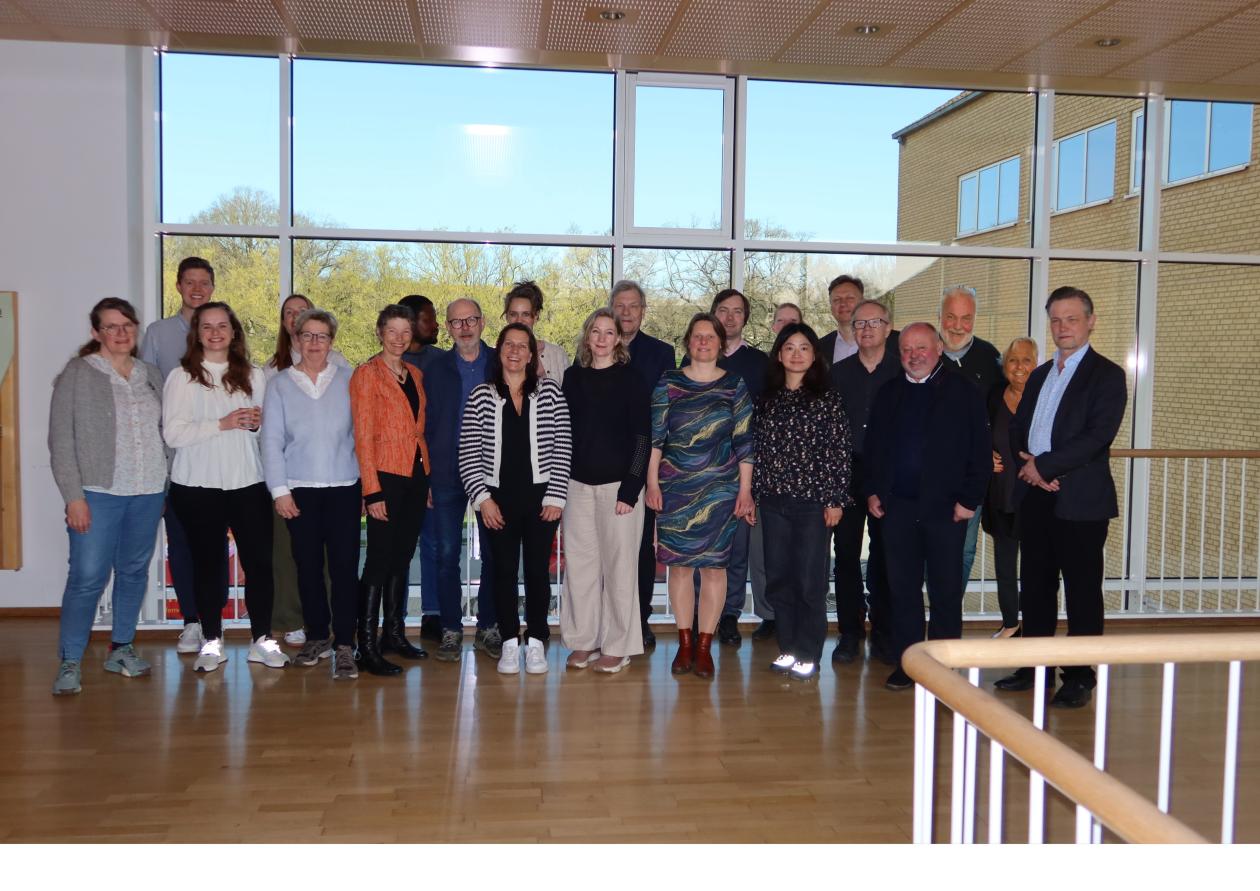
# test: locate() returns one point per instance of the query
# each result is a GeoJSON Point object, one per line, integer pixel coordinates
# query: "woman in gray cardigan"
{"type": "Point", "coordinates": [105, 440]}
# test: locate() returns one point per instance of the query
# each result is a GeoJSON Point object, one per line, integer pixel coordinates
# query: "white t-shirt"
{"type": "Point", "coordinates": [206, 456]}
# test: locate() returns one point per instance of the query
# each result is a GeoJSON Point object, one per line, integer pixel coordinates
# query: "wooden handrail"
{"type": "Point", "coordinates": [1185, 453]}
{"type": "Point", "coordinates": [1120, 649]}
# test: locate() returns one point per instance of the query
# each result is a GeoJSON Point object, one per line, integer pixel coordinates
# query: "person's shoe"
{"type": "Point", "coordinates": [765, 630]}
{"type": "Point", "coordinates": [535, 657]}
{"type": "Point", "coordinates": [703, 666]}
{"type": "Point", "coordinates": [265, 651]}
{"type": "Point", "coordinates": [611, 664]}
{"type": "Point", "coordinates": [581, 658]}
{"type": "Point", "coordinates": [489, 641]}
{"type": "Point", "coordinates": [314, 650]}
{"type": "Point", "coordinates": [649, 639]}
{"type": "Point", "coordinates": [295, 638]}
{"type": "Point", "coordinates": [190, 639]}
{"type": "Point", "coordinates": [394, 629]}
{"type": "Point", "coordinates": [728, 631]}
{"type": "Point", "coordinates": [431, 628]}
{"type": "Point", "coordinates": [846, 649]}
{"type": "Point", "coordinates": [899, 680]}
{"type": "Point", "coordinates": [211, 656]}
{"type": "Point", "coordinates": [510, 657]}
{"type": "Point", "coordinates": [882, 649]}
{"type": "Point", "coordinates": [783, 664]}
{"type": "Point", "coordinates": [368, 653]}
{"type": "Point", "coordinates": [68, 679]}
{"type": "Point", "coordinates": [685, 655]}
{"type": "Point", "coordinates": [1073, 694]}
{"type": "Point", "coordinates": [451, 648]}
{"type": "Point", "coordinates": [804, 671]}
{"type": "Point", "coordinates": [344, 668]}
{"type": "Point", "coordinates": [1017, 681]}
{"type": "Point", "coordinates": [124, 661]}
{"type": "Point", "coordinates": [1004, 632]}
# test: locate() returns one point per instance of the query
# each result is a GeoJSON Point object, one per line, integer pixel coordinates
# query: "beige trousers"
{"type": "Point", "coordinates": [600, 609]}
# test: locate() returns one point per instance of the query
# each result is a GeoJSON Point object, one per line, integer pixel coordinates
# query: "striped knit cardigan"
{"type": "Point", "coordinates": [481, 441]}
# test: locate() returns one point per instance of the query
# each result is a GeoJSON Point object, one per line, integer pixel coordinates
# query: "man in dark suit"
{"type": "Point", "coordinates": [844, 294]}
{"type": "Point", "coordinates": [651, 358]}
{"type": "Point", "coordinates": [1072, 409]}
{"type": "Point", "coordinates": [928, 461]}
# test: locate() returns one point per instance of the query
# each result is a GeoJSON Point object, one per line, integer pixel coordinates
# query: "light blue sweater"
{"type": "Point", "coordinates": [311, 440]}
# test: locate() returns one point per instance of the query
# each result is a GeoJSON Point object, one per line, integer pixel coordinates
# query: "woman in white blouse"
{"type": "Point", "coordinates": [211, 414]}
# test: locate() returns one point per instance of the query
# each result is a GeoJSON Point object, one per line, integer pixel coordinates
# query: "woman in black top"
{"type": "Point", "coordinates": [801, 473]}
{"type": "Point", "coordinates": [609, 408]}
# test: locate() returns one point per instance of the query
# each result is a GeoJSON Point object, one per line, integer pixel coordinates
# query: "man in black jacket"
{"type": "Point", "coordinates": [928, 460]}
{"type": "Point", "coordinates": [1069, 415]}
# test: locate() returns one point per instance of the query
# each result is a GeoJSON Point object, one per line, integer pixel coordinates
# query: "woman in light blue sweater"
{"type": "Point", "coordinates": [313, 476]}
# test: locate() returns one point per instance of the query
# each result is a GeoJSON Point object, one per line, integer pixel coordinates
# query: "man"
{"type": "Point", "coordinates": [523, 304]}
{"type": "Point", "coordinates": [424, 349]}
{"type": "Point", "coordinates": [447, 384]}
{"type": "Point", "coordinates": [786, 314]}
{"type": "Point", "coordinates": [1069, 415]}
{"type": "Point", "coordinates": [858, 378]}
{"type": "Point", "coordinates": [845, 292]}
{"type": "Point", "coordinates": [980, 362]}
{"type": "Point", "coordinates": [928, 460]}
{"type": "Point", "coordinates": [651, 358]}
{"type": "Point", "coordinates": [165, 342]}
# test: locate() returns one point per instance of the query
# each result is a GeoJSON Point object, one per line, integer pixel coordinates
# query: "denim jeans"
{"type": "Point", "coordinates": [440, 545]}
{"type": "Point", "coordinates": [120, 540]}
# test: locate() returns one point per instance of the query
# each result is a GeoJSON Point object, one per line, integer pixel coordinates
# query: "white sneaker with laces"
{"type": "Point", "coordinates": [210, 656]}
{"type": "Point", "coordinates": [295, 638]}
{"type": "Point", "coordinates": [783, 664]}
{"type": "Point", "coordinates": [190, 639]}
{"type": "Point", "coordinates": [267, 652]}
{"type": "Point", "coordinates": [510, 658]}
{"type": "Point", "coordinates": [804, 671]}
{"type": "Point", "coordinates": [535, 657]}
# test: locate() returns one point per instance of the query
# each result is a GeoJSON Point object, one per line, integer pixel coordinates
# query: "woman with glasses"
{"type": "Point", "coordinates": [109, 463]}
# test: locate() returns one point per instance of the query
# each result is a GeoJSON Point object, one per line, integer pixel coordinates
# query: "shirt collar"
{"type": "Point", "coordinates": [957, 355]}
{"type": "Point", "coordinates": [1071, 361]}
{"type": "Point", "coordinates": [933, 374]}
{"type": "Point", "coordinates": [735, 349]}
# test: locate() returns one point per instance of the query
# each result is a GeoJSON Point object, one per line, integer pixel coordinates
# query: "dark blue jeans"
{"type": "Point", "coordinates": [327, 525]}
{"type": "Point", "coordinates": [441, 545]}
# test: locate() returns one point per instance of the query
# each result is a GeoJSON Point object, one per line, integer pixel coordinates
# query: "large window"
{"type": "Point", "coordinates": [988, 197]}
{"type": "Point", "coordinates": [1201, 139]}
{"type": "Point", "coordinates": [1085, 167]}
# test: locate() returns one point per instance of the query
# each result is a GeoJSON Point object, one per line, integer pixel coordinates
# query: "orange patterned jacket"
{"type": "Point", "coordinates": [385, 435]}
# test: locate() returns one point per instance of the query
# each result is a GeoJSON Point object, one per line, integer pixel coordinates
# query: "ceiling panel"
{"type": "Point", "coordinates": [481, 22]}
{"type": "Point", "coordinates": [1204, 55]}
{"type": "Point", "coordinates": [737, 29]}
{"type": "Point", "coordinates": [570, 32]}
{"type": "Point", "coordinates": [381, 21]}
{"type": "Point", "coordinates": [120, 14]}
{"type": "Point", "coordinates": [830, 39]}
{"type": "Point", "coordinates": [11, 15]}
{"type": "Point", "coordinates": [243, 17]}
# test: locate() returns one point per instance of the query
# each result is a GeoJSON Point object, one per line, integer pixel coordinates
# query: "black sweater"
{"type": "Point", "coordinates": [610, 414]}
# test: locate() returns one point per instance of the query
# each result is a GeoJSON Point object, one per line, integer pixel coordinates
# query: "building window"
{"type": "Point", "coordinates": [1200, 139]}
{"type": "Point", "coordinates": [988, 197]}
{"type": "Point", "coordinates": [1084, 167]}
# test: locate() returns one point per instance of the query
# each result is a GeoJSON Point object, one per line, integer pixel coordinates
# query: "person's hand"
{"type": "Point", "coordinates": [287, 507]}
{"type": "Point", "coordinates": [79, 515]}
{"type": "Point", "coordinates": [548, 514]}
{"type": "Point", "coordinates": [961, 514]}
{"type": "Point", "coordinates": [652, 496]}
{"type": "Point", "coordinates": [874, 507]}
{"type": "Point", "coordinates": [745, 507]}
{"type": "Point", "coordinates": [622, 508]}
{"type": "Point", "coordinates": [376, 510]}
{"type": "Point", "coordinates": [240, 419]}
{"type": "Point", "coordinates": [1029, 474]}
{"type": "Point", "coordinates": [491, 515]}
{"type": "Point", "coordinates": [831, 516]}
{"type": "Point", "coordinates": [997, 463]}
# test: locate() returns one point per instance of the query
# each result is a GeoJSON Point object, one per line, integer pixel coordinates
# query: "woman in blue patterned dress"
{"type": "Point", "coordinates": [700, 482]}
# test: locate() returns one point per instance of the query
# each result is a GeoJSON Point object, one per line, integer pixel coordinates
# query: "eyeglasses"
{"type": "Point", "coordinates": [859, 324]}
{"type": "Point", "coordinates": [463, 323]}
{"type": "Point", "coordinates": [313, 337]}
{"type": "Point", "coordinates": [124, 328]}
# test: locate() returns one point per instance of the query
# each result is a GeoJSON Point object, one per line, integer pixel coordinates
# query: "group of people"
{"type": "Point", "coordinates": [738, 463]}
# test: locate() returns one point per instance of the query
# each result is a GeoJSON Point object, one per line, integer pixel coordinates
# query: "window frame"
{"type": "Point", "coordinates": [1135, 158]}
{"type": "Point", "coordinates": [975, 174]}
{"type": "Point", "coordinates": [1055, 210]}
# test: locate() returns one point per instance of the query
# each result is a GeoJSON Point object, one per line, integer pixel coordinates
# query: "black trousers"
{"type": "Point", "coordinates": [910, 545]}
{"type": "Point", "coordinates": [207, 514]}
{"type": "Point", "coordinates": [647, 564]}
{"type": "Point", "coordinates": [1051, 547]}
{"type": "Point", "coordinates": [796, 540]}
{"type": "Point", "coordinates": [1006, 565]}
{"type": "Point", "coordinates": [327, 524]}
{"type": "Point", "coordinates": [523, 532]}
{"type": "Point", "coordinates": [391, 543]}
{"type": "Point", "coordinates": [851, 600]}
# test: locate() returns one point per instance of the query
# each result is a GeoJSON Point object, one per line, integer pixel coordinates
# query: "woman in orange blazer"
{"type": "Point", "coordinates": [387, 400]}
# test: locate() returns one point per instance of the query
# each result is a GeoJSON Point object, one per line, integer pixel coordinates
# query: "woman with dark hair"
{"type": "Point", "coordinates": [387, 400]}
{"type": "Point", "coordinates": [211, 414]}
{"type": "Point", "coordinates": [700, 481]}
{"type": "Point", "coordinates": [105, 444]}
{"type": "Point", "coordinates": [801, 483]}
{"type": "Point", "coordinates": [514, 451]}
{"type": "Point", "coordinates": [524, 304]}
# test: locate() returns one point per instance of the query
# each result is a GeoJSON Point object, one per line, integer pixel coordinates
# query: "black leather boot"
{"type": "Point", "coordinates": [393, 634]}
{"type": "Point", "coordinates": [369, 655]}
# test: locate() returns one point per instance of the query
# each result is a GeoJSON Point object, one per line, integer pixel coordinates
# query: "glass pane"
{"type": "Point", "coordinates": [967, 205]}
{"type": "Point", "coordinates": [987, 203]}
{"type": "Point", "coordinates": [382, 146]}
{"type": "Point", "coordinates": [678, 158]}
{"type": "Point", "coordinates": [807, 163]}
{"type": "Point", "coordinates": [1105, 124]}
{"type": "Point", "coordinates": [1070, 173]}
{"type": "Point", "coordinates": [679, 283]}
{"type": "Point", "coordinates": [1100, 160]}
{"type": "Point", "coordinates": [1138, 153]}
{"type": "Point", "coordinates": [1230, 144]}
{"type": "Point", "coordinates": [1187, 146]}
{"type": "Point", "coordinates": [1008, 191]}
{"type": "Point", "coordinates": [220, 137]}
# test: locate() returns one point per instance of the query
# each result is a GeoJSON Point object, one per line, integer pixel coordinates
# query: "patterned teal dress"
{"type": "Point", "coordinates": [704, 432]}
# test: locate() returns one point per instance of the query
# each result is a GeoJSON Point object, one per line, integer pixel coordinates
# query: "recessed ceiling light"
{"type": "Point", "coordinates": [611, 15]}
{"type": "Point", "coordinates": [1107, 42]}
{"type": "Point", "coordinates": [866, 29]}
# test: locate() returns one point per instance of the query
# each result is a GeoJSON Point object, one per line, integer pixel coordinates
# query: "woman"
{"type": "Point", "coordinates": [313, 477]}
{"type": "Point", "coordinates": [514, 451]}
{"type": "Point", "coordinates": [524, 304]}
{"type": "Point", "coordinates": [700, 483]}
{"type": "Point", "coordinates": [801, 483]}
{"type": "Point", "coordinates": [287, 612]}
{"type": "Point", "coordinates": [998, 516]}
{"type": "Point", "coordinates": [387, 400]}
{"type": "Point", "coordinates": [603, 516]}
{"type": "Point", "coordinates": [105, 444]}
{"type": "Point", "coordinates": [211, 413]}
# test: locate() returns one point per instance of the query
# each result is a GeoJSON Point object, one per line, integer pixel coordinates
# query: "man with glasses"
{"type": "Point", "coordinates": [844, 293]}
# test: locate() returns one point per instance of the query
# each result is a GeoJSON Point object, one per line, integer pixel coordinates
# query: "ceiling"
{"type": "Point", "coordinates": [1196, 48]}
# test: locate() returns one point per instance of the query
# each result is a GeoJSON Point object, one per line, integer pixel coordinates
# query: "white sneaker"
{"type": "Point", "coordinates": [510, 658]}
{"type": "Point", "coordinates": [783, 664]}
{"type": "Point", "coordinates": [295, 638]}
{"type": "Point", "coordinates": [535, 657]}
{"type": "Point", "coordinates": [210, 656]}
{"type": "Point", "coordinates": [267, 651]}
{"type": "Point", "coordinates": [190, 639]}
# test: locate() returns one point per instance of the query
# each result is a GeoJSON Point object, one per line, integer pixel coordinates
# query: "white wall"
{"type": "Point", "coordinates": [71, 230]}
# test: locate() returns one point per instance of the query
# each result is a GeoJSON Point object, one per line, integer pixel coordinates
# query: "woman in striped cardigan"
{"type": "Point", "coordinates": [514, 452]}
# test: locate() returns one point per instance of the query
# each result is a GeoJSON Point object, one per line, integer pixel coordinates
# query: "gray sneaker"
{"type": "Point", "coordinates": [67, 681]}
{"type": "Point", "coordinates": [124, 661]}
{"type": "Point", "coordinates": [343, 664]}
{"type": "Point", "coordinates": [314, 650]}
{"type": "Point", "coordinates": [489, 641]}
{"type": "Point", "coordinates": [451, 648]}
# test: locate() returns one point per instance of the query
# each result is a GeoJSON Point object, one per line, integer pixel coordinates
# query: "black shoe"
{"type": "Point", "coordinates": [728, 631]}
{"type": "Point", "coordinates": [369, 656]}
{"type": "Point", "coordinates": [649, 639]}
{"type": "Point", "coordinates": [1017, 681]}
{"type": "Point", "coordinates": [846, 649]}
{"type": "Point", "coordinates": [1073, 694]}
{"type": "Point", "coordinates": [898, 680]}
{"type": "Point", "coordinates": [882, 649]}
{"type": "Point", "coordinates": [431, 628]}
{"type": "Point", "coordinates": [394, 633]}
{"type": "Point", "coordinates": [765, 630]}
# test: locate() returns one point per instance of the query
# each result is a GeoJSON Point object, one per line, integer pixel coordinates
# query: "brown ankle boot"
{"type": "Point", "coordinates": [682, 661]}
{"type": "Point", "coordinates": [704, 660]}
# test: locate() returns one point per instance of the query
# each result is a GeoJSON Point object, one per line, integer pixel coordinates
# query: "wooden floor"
{"type": "Point", "coordinates": [457, 752]}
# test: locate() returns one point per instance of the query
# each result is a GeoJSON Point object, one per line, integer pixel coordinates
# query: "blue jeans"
{"type": "Point", "coordinates": [120, 540]}
{"type": "Point", "coordinates": [429, 603]}
{"type": "Point", "coordinates": [969, 546]}
{"type": "Point", "coordinates": [441, 544]}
